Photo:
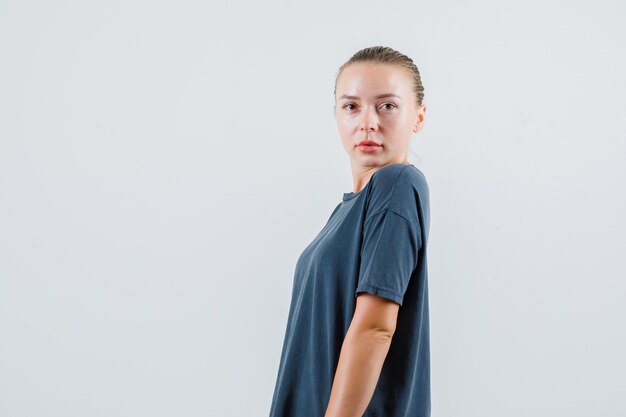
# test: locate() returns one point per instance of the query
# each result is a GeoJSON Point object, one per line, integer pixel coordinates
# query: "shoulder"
{"type": "Point", "coordinates": [400, 188]}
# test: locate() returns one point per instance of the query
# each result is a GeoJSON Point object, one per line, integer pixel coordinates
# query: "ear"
{"type": "Point", "coordinates": [421, 113]}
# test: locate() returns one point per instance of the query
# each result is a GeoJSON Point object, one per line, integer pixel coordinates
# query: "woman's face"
{"type": "Point", "coordinates": [377, 100]}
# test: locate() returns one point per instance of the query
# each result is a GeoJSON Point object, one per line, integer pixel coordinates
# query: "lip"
{"type": "Point", "coordinates": [368, 143]}
{"type": "Point", "coordinates": [368, 146]}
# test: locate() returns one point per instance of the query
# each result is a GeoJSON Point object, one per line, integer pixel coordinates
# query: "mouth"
{"type": "Point", "coordinates": [368, 146]}
{"type": "Point", "coordinates": [368, 143]}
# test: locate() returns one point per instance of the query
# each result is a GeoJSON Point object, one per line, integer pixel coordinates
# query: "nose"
{"type": "Point", "coordinates": [369, 120]}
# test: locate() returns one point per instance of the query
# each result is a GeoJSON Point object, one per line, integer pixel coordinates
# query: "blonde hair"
{"type": "Point", "coordinates": [386, 55]}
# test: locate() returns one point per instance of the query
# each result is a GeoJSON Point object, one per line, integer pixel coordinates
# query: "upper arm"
{"type": "Point", "coordinates": [390, 245]}
{"type": "Point", "coordinates": [389, 256]}
{"type": "Point", "coordinates": [374, 312]}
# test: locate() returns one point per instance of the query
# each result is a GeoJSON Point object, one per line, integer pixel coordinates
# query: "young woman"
{"type": "Point", "coordinates": [357, 336]}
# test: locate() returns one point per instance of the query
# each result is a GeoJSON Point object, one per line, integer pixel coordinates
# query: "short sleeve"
{"type": "Point", "coordinates": [389, 255]}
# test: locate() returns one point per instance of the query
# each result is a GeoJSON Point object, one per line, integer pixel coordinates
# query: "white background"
{"type": "Point", "coordinates": [163, 164]}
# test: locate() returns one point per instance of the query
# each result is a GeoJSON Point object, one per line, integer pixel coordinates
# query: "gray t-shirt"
{"type": "Point", "coordinates": [374, 241]}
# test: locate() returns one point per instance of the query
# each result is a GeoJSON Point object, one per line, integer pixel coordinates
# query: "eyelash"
{"type": "Point", "coordinates": [352, 104]}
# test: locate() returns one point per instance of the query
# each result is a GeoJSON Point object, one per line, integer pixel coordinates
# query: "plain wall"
{"type": "Point", "coordinates": [163, 165]}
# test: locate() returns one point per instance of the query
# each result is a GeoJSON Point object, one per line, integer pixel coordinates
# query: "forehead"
{"type": "Point", "coordinates": [365, 79]}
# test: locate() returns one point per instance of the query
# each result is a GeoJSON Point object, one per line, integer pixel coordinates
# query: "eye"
{"type": "Point", "coordinates": [349, 104]}
{"type": "Point", "coordinates": [393, 106]}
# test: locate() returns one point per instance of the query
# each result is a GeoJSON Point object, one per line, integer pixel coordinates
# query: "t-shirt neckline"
{"type": "Point", "coordinates": [352, 194]}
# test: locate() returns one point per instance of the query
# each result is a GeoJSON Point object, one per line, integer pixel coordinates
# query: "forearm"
{"type": "Point", "coordinates": [361, 359]}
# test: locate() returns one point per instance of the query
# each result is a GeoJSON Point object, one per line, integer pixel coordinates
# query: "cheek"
{"type": "Point", "coordinates": [401, 123]}
{"type": "Point", "coordinates": [345, 125]}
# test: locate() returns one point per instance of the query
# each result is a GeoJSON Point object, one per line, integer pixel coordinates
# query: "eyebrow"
{"type": "Point", "coordinates": [378, 96]}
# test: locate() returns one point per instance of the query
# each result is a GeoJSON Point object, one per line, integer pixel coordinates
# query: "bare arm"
{"type": "Point", "coordinates": [362, 355]}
